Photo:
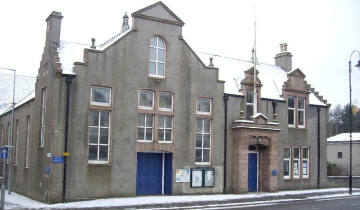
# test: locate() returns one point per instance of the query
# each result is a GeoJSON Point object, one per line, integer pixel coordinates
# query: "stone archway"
{"type": "Point", "coordinates": [264, 136]}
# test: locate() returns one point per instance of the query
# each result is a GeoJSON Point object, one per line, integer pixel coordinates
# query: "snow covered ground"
{"type": "Point", "coordinates": [16, 201]}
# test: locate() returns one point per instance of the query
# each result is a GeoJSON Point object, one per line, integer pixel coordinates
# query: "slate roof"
{"type": "Point", "coordinates": [24, 86]}
{"type": "Point", "coordinates": [272, 77]}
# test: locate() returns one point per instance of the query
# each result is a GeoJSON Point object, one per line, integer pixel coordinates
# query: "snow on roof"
{"type": "Point", "coordinates": [112, 40]}
{"type": "Point", "coordinates": [231, 70]}
{"type": "Point", "coordinates": [24, 85]}
{"type": "Point", "coordinates": [315, 101]}
{"type": "Point", "coordinates": [70, 52]}
{"type": "Point", "coordinates": [272, 77]}
{"type": "Point", "coordinates": [344, 137]}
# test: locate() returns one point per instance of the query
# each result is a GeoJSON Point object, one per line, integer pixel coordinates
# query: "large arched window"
{"type": "Point", "coordinates": [157, 59]}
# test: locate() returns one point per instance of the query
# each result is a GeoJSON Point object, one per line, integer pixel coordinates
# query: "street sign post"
{"type": "Point", "coordinates": [4, 153]}
{"type": "Point", "coordinates": [4, 156]}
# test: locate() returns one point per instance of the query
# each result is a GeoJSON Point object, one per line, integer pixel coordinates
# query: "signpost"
{"type": "Point", "coordinates": [4, 156]}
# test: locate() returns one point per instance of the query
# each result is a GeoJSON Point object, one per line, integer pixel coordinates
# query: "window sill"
{"type": "Point", "coordinates": [94, 162]}
{"type": "Point", "coordinates": [157, 77]}
{"type": "Point", "coordinates": [145, 141]}
{"type": "Point", "coordinates": [202, 164]}
{"type": "Point", "coordinates": [165, 142]}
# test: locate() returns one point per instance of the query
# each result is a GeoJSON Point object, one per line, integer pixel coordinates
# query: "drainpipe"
{"type": "Point", "coordinates": [318, 146]}
{"type": "Point", "coordinates": [69, 78]}
{"type": "Point", "coordinates": [226, 98]}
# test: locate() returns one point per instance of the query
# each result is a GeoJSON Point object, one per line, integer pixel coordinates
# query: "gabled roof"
{"type": "Point", "coordinates": [158, 12]}
{"type": "Point", "coordinates": [272, 77]}
{"type": "Point", "coordinates": [296, 73]}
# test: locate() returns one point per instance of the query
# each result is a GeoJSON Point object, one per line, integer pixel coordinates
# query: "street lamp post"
{"type": "Point", "coordinates": [9, 146]}
{"type": "Point", "coordinates": [350, 112]}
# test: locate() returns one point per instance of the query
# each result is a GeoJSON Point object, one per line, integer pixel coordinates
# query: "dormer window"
{"type": "Point", "coordinates": [157, 59]}
{"type": "Point", "coordinates": [249, 104]}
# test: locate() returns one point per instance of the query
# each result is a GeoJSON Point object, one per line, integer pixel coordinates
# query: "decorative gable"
{"type": "Point", "coordinates": [296, 82]}
{"type": "Point", "coordinates": [296, 73]}
{"type": "Point", "coordinates": [249, 78]}
{"type": "Point", "coordinates": [158, 12]}
{"type": "Point", "coordinates": [259, 119]}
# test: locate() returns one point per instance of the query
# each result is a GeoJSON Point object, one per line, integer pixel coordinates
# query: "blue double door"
{"type": "Point", "coordinates": [253, 172]}
{"type": "Point", "coordinates": [154, 173]}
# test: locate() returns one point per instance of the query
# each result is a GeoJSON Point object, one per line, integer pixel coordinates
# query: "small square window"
{"type": "Point", "coordinates": [339, 155]}
{"type": "Point", "coordinates": [100, 96]}
{"type": "Point", "coordinates": [165, 101]}
{"type": "Point", "coordinates": [146, 99]}
{"type": "Point", "coordinates": [203, 106]}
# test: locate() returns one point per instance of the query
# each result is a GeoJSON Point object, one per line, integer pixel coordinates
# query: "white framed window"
{"type": "Point", "coordinates": [165, 125]}
{"type": "Point", "coordinates": [203, 106]}
{"type": "Point", "coordinates": [146, 99]}
{"type": "Point", "coordinates": [296, 163]}
{"type": "Point", "coordinates": [301, 112]}
{"type": "Point", "coordinates": [43, 117]}
{"type": "Point", "coordinates": [165, 101]}
{"type": "Point", "coordinates": [99, 136]}
{"type": "Point", "coordinates": [249, 104]}
{"type": "Point", "coordinates": [145, 127]}
{"type": "Point", "coordinates": [305, 162]}
{"type": "Point", "coordinates": [291, 111]}
{"type": "Point", "coordinates": [27, 138]}
{"type": "Point", "coordinates": [287, 163]}
{"type": "Point", "coordinates": [203, 141]}
{"type": "Point", "coordinates": [157, 57]}
{"type": "Point", "coordinates": [100, 96]}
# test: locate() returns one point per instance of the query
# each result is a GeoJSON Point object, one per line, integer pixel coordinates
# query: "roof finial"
{"type": "Point", "coordinates": [93, 43]}
{"type": "Point", "coordinates": [211, 62]}
{"type": "Point", "coordinates": [125, 25]}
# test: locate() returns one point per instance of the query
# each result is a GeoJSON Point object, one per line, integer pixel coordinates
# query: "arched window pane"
{"type": "Point", "coordinates": [157, 57]}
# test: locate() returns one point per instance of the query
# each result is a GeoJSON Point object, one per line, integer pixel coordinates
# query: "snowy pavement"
{"type": "Point", "coordinates": [16, 201]}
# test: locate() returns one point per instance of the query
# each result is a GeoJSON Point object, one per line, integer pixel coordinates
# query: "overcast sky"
{"type": "Point", "coordinates": [320, 34]}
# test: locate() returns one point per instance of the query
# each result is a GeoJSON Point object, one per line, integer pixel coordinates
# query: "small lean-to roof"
{"type": "Point", "coordinates": [344, 137]}
{"type": "Point", "coordinates": [272, 77]}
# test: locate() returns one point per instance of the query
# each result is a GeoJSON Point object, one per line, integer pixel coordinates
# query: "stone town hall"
{"type": "Point", "coordinates": [143, 113]}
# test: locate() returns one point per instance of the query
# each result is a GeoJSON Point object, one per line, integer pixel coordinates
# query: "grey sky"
{"type": "Point", "coordinates": [320, 34]}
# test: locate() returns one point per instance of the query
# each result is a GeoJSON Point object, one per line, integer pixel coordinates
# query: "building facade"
{"type": "Point", "coordinates": [143, 114]}
{"type": "Point", "coordinates": [338, 154]}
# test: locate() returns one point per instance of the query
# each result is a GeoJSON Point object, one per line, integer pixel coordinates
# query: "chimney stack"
{"type": "Point", "coordinates": [53, 27]}
{"type": "Point", "coordinates": [284, 58]}
{"type": "Point", "coordinates": [125, 25]}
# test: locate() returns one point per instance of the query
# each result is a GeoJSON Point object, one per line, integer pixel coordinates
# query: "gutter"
{"type": "Point", "coordinates": [68, 79]}
{"type": "Point", "coordinates": [226, 98]}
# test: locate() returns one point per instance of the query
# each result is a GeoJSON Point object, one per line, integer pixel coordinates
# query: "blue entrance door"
{"type": "Point", "coordinates": [150, 176]}
{"type": "Point", "coordinates": [252, 172]}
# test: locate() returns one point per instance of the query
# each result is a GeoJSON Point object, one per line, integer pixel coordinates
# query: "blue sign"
{"type": "Point", "coordinates": [47, 169]}
{"type": "Point", "coordinates": [58, 159]}
{"type": "Point", "coordinates": [274, 172]}
{"type": "Point", "coordinates": [4, 152]}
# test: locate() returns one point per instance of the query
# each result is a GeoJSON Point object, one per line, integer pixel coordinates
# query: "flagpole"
{"type": "Point", "coordinates": [254, 61]}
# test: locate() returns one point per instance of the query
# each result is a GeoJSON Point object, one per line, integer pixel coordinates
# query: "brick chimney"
{"type": "Point", "coordinates": [283, 59]}
{"type": "Point", "coordinates": [53, 27]}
